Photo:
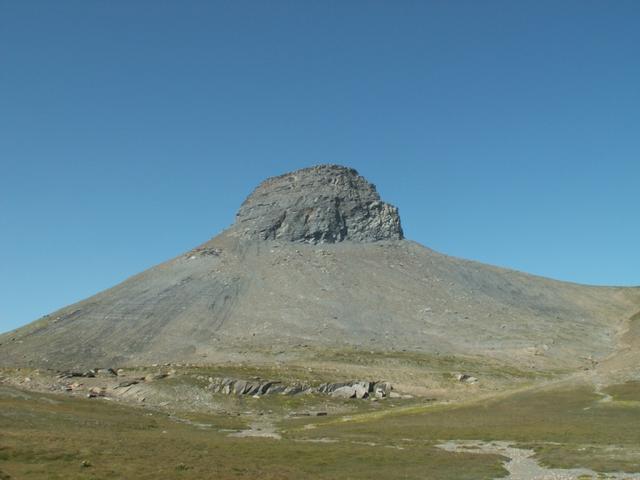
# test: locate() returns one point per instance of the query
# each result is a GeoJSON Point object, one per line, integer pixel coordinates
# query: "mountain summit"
{"type": "Point", "coordinates": [322, 204]}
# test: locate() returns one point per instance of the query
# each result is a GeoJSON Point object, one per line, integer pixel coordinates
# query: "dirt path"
{"type": "Point", "coordinates": [522, 466]}
{"type": "Point", "coordinates": [261, 427]}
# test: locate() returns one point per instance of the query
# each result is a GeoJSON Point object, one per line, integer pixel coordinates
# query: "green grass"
{"type": "Point", "coordinates": [51, 436]}
{"type": "Point", "coordinates": [569, 417]}
{"type": "Point", "coordinates": [47, 436]}
{"type": "Point", "coordinates": [629, 391]}
{"type": "Point", "coordinates": [601, 458]}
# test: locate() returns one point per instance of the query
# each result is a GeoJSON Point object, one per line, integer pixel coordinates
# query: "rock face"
{"type": "Point", "coordinates": [353, 389]}
{"type": "Point", "coordinates": [322, 204]}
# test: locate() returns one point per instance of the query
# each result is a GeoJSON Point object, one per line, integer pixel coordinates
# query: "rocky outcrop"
{"type": "Point", "coordinates": [322, 204]}
{"type": "Point", "coordinates": [257, 387]}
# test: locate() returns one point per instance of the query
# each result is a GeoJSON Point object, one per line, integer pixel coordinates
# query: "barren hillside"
{"type": "Point", "coordinates": [315, 261]}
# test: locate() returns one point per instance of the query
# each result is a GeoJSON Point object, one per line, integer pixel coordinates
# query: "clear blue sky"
{"type": "Point", "coordinates": [130, 131]}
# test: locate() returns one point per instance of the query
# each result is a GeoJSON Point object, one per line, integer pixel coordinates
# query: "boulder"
{"type": "Point", "coordinates": [275, 388]}
{"type": "Point", "coordinates": [292, 390]}
{"type": "Point", "coordinates": [239, 387]}
{"type": "Point", "coordinates": [264, 388]}
{"type": "Point", "coordinates": [384, 387]}
{"type": "Point", "coordinates": [252, 388]}
{"type": "Point", "coordinates": [344, 392]}
{"type": "Point", "coordinates": [360, 391]}
{"type": "Point", "coordinates": [96, 392]}
{"type": "Point", "coordinates": [463, 377]}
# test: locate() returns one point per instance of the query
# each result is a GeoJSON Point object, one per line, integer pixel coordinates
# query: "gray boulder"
{"type": "Point", "coordinates": [360, 391]}
{"type": "Point", "coordinates": [239, 387]}
{"type": "Point", "coordinates": [344, 392]}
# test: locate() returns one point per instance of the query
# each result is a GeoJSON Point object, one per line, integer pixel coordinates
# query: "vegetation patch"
{"type": "Point", "coordinates": [569, 417]}
{"type": "Point", "coordinates": [629, 391]}
{"type": "Point", "coordinates": [81, 438]}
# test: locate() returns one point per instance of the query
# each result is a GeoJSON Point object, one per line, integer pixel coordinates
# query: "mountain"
{"type": "Point", "coordinates": [317, 262]}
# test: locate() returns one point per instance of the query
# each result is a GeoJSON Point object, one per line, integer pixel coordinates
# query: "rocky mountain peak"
{"type": "Point", "coordinates": [321, 204]}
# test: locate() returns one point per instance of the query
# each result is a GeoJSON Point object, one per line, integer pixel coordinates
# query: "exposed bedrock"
{"type": "Point", "coordinates": [321, 204]}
